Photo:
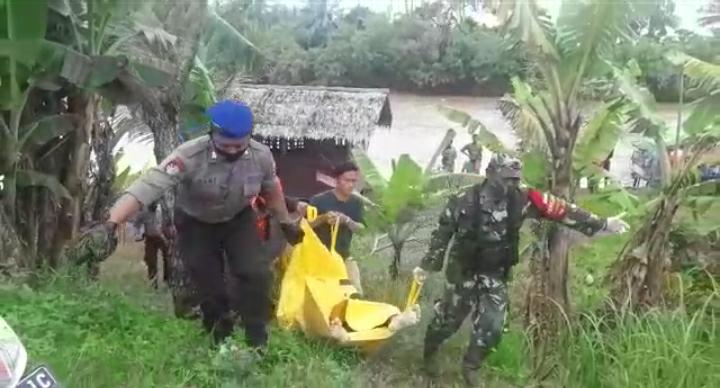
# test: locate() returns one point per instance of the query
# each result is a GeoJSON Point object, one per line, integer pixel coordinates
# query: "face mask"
{"type": "Point", "coordinates": [229, 157]}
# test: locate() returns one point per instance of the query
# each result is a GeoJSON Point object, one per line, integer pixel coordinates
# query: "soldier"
{"type": "Point", "coordinates": [155, 241]}
{"type": "Point", "coordinates": [448, 158]}
{"type": "Point", "coordinates": [486, 220]}
{"type": "Point", "coordinates": [217, 176]}
{"type": "Point", "coordinates": [474, 153]}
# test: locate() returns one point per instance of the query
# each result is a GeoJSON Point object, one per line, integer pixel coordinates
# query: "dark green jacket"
{"type": "Point", "coordinates": [486, 225]}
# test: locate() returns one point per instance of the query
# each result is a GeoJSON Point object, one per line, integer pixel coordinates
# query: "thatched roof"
{"type": "Point", "coordinates": [316, 113]}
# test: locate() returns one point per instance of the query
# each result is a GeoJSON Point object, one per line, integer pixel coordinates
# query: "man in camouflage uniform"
{"type": "Point", "coordinates": [448, 158]}
{"type": "Point", "coordinates": [473, 151]}
{"type": "Point", "coordinates": [486, 221]}
{"type": "Point", "coordinates": [216, 177]}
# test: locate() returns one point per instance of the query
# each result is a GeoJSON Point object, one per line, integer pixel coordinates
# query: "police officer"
{"type": "Point", "coordinates": [217, 176]}
{"type": "Point", "coordinates": [486, 221]}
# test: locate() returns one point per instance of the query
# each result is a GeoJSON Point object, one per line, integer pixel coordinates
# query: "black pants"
{"type": "Point", "coordinates": [203, 248]}
{"type": "Point", "coordinates": [153, 245]}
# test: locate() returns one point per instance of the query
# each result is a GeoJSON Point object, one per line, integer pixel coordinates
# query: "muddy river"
{"type": "Point", "coordinates": [418, 127]}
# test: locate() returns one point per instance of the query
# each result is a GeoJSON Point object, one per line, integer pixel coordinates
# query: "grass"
{"type": "Point", "coordinates": [660, 349]}
{"type": "Point", "coordinates": [121, 333]}
{"type": "Point", "coordinates": [94, 337]}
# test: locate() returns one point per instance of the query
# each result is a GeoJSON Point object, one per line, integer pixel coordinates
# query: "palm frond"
{"type": "Point", "coordinates": [29, 178]}
{"type": "Point", "coordinates": [588, 31]}
{"type": "Point", "coordinates": [524, 123]}
{"type": "Point", "coordinates": [599, 136]}
{"type": "Point", "coordinates": [532, 27]}
{"type": "Point", "coordinates": [46, 129]}
{"type": "Point", "coordinates": [642, 116]}
{"type": "Point", "coordinates": [704, 116]}
{"type": "Point", "coordinates": [475, 127]}
{"type": "Point", "coordinates": [200, 89]}
{"type": "Point", "coordinates": [404, 189]}
{"type": "Point", "coordinates": [704, 76]}
{"type": "Point", "coordinates": [533, 114]}
{"type": "Point", "coordinates": [125, 122]}
{"type": "Point", "coordinates": [224, 26]}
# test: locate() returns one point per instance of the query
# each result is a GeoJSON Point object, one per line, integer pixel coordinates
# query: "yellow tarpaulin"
{"type": "Point", "coordinates": [314, 293]}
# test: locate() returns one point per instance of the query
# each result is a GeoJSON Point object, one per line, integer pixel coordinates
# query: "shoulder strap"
{"type": "Point", "coordinates": [334, 228]}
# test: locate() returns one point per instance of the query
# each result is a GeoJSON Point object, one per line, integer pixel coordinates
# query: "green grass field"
{"type": "Point", "coordinates": [119, 332]}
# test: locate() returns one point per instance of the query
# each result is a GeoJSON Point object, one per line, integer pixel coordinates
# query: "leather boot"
{"type": "Point", "coordinates": [430, 363]}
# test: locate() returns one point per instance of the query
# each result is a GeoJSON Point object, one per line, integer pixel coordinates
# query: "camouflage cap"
{"type": "Point", "coordinates": [506, 166]}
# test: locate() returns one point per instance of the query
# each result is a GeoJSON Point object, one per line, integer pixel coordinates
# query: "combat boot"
{"type": "Point", "coordinates": [430, 362]}
{"type": "Point", "coordinates": [470, 377]}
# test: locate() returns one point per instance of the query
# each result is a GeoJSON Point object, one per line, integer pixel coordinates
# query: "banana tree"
{"type": "Point", "coordinates": [14, 97]}
{"type": "Point", "coordinates": [564, 55]}
{"type": "Point", "coordinates": [640, 272]}
{"type": "Point", "coordinates": [27, 134]}
{"type": "Point", "coordinates": [399, 200]}
{"type": "Point", "coordinates": [61, 56]}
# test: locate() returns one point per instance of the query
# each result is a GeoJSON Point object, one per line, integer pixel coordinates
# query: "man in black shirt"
{"type": "Point", "coordinates": [340, 205]}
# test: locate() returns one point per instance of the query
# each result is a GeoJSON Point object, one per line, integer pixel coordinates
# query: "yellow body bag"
{"type": "Point", "coordinates": [315, 292]}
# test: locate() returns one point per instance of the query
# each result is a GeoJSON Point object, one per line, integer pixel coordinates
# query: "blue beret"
{"type": "Point", "coordinates": [231, 119]}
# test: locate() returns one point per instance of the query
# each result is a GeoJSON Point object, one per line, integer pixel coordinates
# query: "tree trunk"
{"type": "Point", "coordinates": [639, 273]}
{"type": "Point", "coordinates": [100, 196]}
{"type": "Point", "coordinates": [184, 19]}
{"type": "Point", "coordinates": [394, 269]}
{"type": "Point", "coordinates": [547, 300]}
{"type": "Point", "coordinates": [55, 218]}
{"type": "Point", "coordinates": [10, 247]}
{"type": "Point", "coordinates": [76, 180]}
{"type": "Point", "coordinates": [75, 173]}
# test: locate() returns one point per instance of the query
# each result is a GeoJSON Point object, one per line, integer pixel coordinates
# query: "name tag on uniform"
{"type": "Point", "coordinates": [209, 180]}
{"type": "Point", "coordinates": [253, 179]}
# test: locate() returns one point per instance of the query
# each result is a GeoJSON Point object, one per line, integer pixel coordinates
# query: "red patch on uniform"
{"type": "Point", "coordinates": [549, 206]}
{"type": "Point", "coordinates": [259, 203]}
{"type": "Point", "coordinates": [174, 166]}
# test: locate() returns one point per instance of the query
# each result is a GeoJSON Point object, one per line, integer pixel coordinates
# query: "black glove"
{"type": "Point", "coordinates": [110, 241]}
{"type": "Point", "coordinates": [95, 245]}
{"type": "Point", "coordinates": [292, 232]}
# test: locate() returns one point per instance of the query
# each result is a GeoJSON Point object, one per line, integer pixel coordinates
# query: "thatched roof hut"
{"type": "Point", "coordinates": [316, 113]}
{"type": "Point", "coordinates": [311, 129]}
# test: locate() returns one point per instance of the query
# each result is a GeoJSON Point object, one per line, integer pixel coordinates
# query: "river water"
{"type": "Point", "coordinates": [418, 127]}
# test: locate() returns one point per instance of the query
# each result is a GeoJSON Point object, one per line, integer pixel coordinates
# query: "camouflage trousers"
{"type": "Point", "coordinates": [485, 299]}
